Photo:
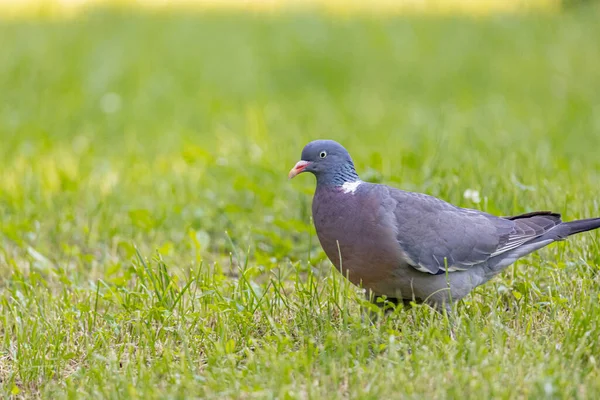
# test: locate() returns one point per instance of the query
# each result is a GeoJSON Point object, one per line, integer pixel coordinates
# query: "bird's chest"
{"type": "Point", "coordinates": [332, 207]}
{"type": "Point", "coordinates": [338, 220]}
{"type": "Point", "coordinates": [354, 233]}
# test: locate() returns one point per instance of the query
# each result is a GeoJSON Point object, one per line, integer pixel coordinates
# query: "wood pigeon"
{"type": "Point", "coordinates": [411, 246]}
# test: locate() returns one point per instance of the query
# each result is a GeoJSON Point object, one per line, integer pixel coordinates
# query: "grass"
{"type": "Point", "coordinates": [152, 246]}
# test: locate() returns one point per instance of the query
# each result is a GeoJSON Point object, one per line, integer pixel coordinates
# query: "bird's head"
{"type": "Point", "coordinates": [328, 161]}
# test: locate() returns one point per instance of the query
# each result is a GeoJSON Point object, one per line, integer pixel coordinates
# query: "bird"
{"type": "Point", "coordinates": [409, 247]}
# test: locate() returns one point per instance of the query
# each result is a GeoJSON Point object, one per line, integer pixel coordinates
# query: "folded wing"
{"type": "Point", "coordinates": [436, 236]}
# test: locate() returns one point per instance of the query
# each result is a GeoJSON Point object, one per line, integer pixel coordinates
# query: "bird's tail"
{"type": "Point", "coordinates": [573, 227]}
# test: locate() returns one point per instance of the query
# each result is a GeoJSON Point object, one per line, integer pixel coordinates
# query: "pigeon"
{"type": "Point", "coordinates": [411, 247]}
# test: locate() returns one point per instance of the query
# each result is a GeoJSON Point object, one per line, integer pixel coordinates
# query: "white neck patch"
{"type": "Point", "coordinates": [350, 187]}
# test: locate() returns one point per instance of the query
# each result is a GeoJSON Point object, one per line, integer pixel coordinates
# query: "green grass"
{"type": "Point", "coordinates": [152, 246]}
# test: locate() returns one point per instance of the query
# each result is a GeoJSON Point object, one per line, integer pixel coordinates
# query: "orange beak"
{"type": "Point", "coordinates": [298, 168]}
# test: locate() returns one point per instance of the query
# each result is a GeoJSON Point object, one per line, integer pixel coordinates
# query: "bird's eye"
{"type": "Point", "coordinates": [323, 154]}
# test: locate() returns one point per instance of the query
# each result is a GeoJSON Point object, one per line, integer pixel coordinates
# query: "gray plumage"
{"type": "Point", "coordinates": [411, 246]}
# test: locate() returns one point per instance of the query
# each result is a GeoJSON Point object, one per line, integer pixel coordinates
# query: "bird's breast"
{"type": "Point", "coordinates": [356, 234]}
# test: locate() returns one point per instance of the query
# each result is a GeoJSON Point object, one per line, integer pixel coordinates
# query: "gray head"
{"type": "Point", "coordinates": [328, 161]}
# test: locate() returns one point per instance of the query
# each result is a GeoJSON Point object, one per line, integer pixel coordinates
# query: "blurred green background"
{"type": "Point", "coordinates": [174, 132]}
{"type": "Point", "coordinates": [194, 121]}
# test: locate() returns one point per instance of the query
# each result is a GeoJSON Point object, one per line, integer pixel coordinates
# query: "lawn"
{"type": "Point", "coordinates": [151, 245]}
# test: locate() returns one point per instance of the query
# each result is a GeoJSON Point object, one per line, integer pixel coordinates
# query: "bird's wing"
{"type": "Point", "coordinates": [436, 236]}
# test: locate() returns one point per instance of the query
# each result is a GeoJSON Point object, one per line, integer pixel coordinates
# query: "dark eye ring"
{"type": "Point", "coordinates": [323, 154]}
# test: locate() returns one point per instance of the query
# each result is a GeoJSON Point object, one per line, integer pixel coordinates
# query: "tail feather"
{"type": "Point", "coordinates": [558, 232]}
{"type": "Point", "coordinates": [573, 227]}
